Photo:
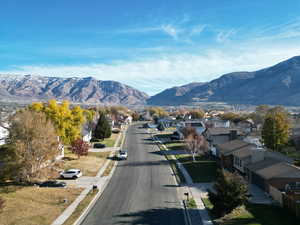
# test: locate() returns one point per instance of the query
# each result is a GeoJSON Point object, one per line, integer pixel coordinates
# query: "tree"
{"type": "Point", "coordinates": [196, 144]}
{"type": "Point", "coordinates": [161, 127]}
{"type": "Point", "coordinates": [32, 145]}
{"type": "Point", "coordinates": [67, 121]}
{"type": "Point", "coordinates": [2, 204]}
{"type": "Point", "coordinates": [275, 131]}
{"type": "Point", "coordinates": [103, 128]}
{"type": "Point", "coordinates": [230, 192]}
{"type": "Point", "coordinates": [197, 114]}
{"type": "Point", "coordinates": [80, 147]}
{"type": "Point", "coordinates": [135, 116]}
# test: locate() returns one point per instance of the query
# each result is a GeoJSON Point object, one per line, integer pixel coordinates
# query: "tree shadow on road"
{"type": "Point", "coordinates": [158, 216]}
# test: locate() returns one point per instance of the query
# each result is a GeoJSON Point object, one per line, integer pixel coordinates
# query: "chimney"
{"type": "Point", "coordinates": [233, 135]}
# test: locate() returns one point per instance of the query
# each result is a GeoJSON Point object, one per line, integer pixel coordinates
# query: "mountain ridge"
{"type": "Point", "coordinates": [277, 84]}
{"type": "Point", "coordinates": [75, 89]}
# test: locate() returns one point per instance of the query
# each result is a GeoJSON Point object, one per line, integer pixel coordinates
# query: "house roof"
{"type": "Point", "coordinates": [231, 146]}
{"type": "Point", "coordinates": [221, 131]}
{"type": "Point", "coordinates": [262, 164]}
{"type": "Point", "coordinates": [280, 170]}
{"type": "Point", "coordinates": [244, 152]}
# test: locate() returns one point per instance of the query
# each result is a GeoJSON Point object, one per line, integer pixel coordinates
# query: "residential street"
{"type": "Point", "coordinates": [142, 189]}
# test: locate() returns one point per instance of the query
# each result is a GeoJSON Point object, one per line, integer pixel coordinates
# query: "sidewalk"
{"type": "Point", "coordinates": [101, 183]}
{"type": "Point", "coordinates": [197, 191]}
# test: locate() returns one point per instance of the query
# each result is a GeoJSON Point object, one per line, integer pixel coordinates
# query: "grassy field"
{"type": "Point", "coordinates": [110, 142]}
{"type": "Point", "coordinates": [89, 165]}
{"type": "Point", "coordinates": [202, 170]}
{"type": "Point", "coordinates": [254, 214]}
{"type": "Point", "coordinates": [34, 206]}
{"type": "Point", "coordinates": [81, 207]}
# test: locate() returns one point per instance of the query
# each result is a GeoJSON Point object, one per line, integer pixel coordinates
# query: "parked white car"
{"type": "Point", "coordinates": [122, 154]}
{"type": "Point", "coordinates": [71, 173]}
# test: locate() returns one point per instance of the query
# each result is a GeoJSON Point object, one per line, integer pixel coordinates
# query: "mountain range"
{"type": "Point", "coordinates": [278, 84]}
{"type": "Point", "coordinates": [79, 90]}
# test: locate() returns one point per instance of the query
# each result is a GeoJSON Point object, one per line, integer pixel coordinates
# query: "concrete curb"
{"type": "Point", "coordinates": [107, 180]}
{"type": "Point", "coordinates": [206, 220]}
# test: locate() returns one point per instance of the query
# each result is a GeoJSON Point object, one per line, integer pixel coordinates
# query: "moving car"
{"type": "Point", "coordinates": [99, 145]}
{"type": "Point", "coordinates": [122, 154]}
{"type": "Point", "coordinates": [53, 183]}
{"type": "Point", "coordinates": [72, 173]}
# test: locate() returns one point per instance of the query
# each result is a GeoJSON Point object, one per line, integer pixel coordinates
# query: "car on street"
{"type": "Point", "coordinates": [99, 145]}
{"type": "Point", "coordinates": [71, 173]}
{"type": "Point", "coordinates": [122, 155]}
{"type": "Point", "coordinates": [53, 183]}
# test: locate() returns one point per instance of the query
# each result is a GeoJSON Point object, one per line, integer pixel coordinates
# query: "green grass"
{"type": "Point", "coordinates": [109, 142]}
{"type": "Point", "coordinates": [81, 207]}
{"type": "Point", "coordinates": [255, 214]}
{"type": "Point", "coordinates": [191, 203]}
{"type": "Point", "coordinates": [176, 146]}
{"type": "Point", "coordinates": [201, 171]}
{"type": "Point", "coordinates": [163, 135]}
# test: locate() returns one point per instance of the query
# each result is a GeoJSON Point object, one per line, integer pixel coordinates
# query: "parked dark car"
{"type": "Point", "coordinates": [53, 183]}
{"type": "Point", "coordinates": [99, 145]}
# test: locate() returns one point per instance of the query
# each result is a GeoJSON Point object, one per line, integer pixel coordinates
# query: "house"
{"type": "Point", "coordinates": [272, 172]}
{"type": "Point", "coordinates": [220, 135]}
{"type": "Point", "coordinates": [291, 197]}
{"type": "Point", "coordinates": [216, 122]}
{"type": "Point", "coordinates": [197, 124]}
{"type": "Point", "coordinates": [247, 155]}
{"type": "Point", "coordinates": [224, 152]}
{"type": "Point", "coordinates": [3, 134]}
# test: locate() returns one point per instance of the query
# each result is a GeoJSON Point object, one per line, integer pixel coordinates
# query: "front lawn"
{"type": "Point", "coordinates": [203, 170]}
{"type": "Point", "coordinates": [255, 214]}
{"type": "Point", "coordinates": [176, 146]}
{"type": "Point", "coordinates": [110, 142]}
{"type": "Point", "coordinates": [34, 206]}
{"type": "Point", "coordinates": [89, 165]}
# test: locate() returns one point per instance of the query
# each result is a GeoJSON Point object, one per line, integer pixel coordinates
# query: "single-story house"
{"type": "Point", "coordinates": [224, 152]}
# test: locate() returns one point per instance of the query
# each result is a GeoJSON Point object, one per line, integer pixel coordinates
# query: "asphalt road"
{"type": "Point", "coordinates": [142, 189]}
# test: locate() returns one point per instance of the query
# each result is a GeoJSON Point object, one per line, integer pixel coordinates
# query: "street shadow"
{"type": "Point", "coordinates": [66, 158]}
{"type": "Point", "coordinates": [171, 185]}
{"type": "Point", "coordinates": [157, 216]}
{"type": "Point", "coordinates": [9, 187]}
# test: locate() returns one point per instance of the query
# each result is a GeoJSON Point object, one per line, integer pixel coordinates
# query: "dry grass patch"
{"type": "Point", "coordinates": [34, 206]}
{"type": "Point", "coordinates": [89, 165]}
{"type": "Point", "coordinates": [108, 168]}
{"type": "Point", "coordinates": [81, 207]}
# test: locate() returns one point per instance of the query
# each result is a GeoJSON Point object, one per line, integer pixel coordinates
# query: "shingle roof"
{"type": "Point", "coordinates": [222, 131]}
{"type": "Point", "coordinates": [262, 164]}
{"type": "Point", "coordinates": [280, 170]}
{"type": "Point", "coordinates": [231, 146]}
{"type": "Point", "coordinates": [244, 151]}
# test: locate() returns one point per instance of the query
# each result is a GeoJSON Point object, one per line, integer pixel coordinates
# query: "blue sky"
{"type": "Point", "coordinates": [150, 45]}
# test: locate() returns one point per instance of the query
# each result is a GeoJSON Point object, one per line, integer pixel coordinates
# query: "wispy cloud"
{"type": "Point", "coordinates": [225, 35]}
{"type": "Point", "coordinates": [155, 74]}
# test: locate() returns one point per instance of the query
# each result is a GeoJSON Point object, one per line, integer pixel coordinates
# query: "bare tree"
{"type": "Point", "coordinates": [196, 144]}
{"type": "Point", "coordinates": [34, 142]}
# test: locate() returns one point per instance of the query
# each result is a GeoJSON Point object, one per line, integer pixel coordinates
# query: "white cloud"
{"type": "Point", "coordinates": [155, 74]}
{"type": "Point", "coordinates": [171, 30]}
{"type": "Point", "coordinates": [224, 36]}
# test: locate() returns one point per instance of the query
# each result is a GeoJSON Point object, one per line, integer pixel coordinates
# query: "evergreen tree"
{"type": "Point", "coordinates": [103, 128]}
{"type": "Point", "coordinates": [230, 192]}
{"type": "Point", "coordinates": [275, 131]}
